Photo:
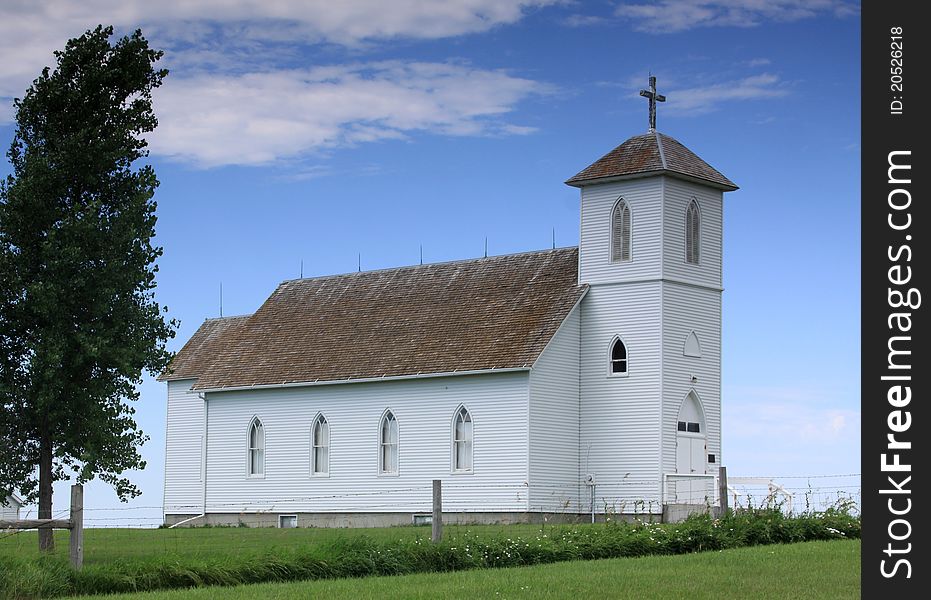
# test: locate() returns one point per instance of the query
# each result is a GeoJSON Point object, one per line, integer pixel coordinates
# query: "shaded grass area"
{"type": "Point", "coordinates": [397, 551]}
{"type": "Point", "coordinates": [820, 570]}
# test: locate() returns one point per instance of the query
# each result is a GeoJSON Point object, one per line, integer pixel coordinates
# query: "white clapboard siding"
{"type": "Point", "coordinates": [184, 487]}
{"type": "Point", "coordinates": [10, 512]}
{"type": "Point", "coordinates": [424, 409]}
{"type": "Point", "coordinates": [554, 422]}
{"type": "Point", "coordinates": [620, 416]}
{"type": "Point", "coordinates": [707, 272]}
{"type": "Point", "coordinates": [644, 197]}
{"type": "Point", "coordinates": [688, 308]}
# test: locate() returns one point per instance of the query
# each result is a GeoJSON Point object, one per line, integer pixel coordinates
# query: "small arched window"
{"type": "Point", "coordinates": [618, 358]}
{"type": "Point", "coordinates": [692, 233]}
{"type": "Point", "coordinates": [256, 459]}
{"type": "Point", "coordinates": [462, 441]}
{"type": "Point", "coordinates": [320, 442]}
{"type": "Point", "coordinates": [388, 445]}
{"type": "Point", "coordinates": [620, 232]}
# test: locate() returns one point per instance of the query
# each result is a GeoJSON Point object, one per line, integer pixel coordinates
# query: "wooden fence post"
{"type": "Point", "coordinates": [437, 533]}
{"type": "Point", "coordinates": [77, 526]}
{"type": "Point", "coordinates": [722, 489]}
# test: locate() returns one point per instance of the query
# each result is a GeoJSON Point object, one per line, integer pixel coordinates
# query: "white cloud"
{"type": "Point", "coordinates": [671, 16]}
{"type": "Point", "coordinates": [703, 99]}
{"type": "Point", "coordinates": [259, 118]}
{"type": "Point", "coordinates": [31, 30]}
{"type": "Point", "coordinates": [789, 416]}
{"type": "Point", "coordinates": [239, 93]}
{"type": "Point", "coordinates": [685, 99]}
{"type": "Point", "coordinates": [580, 20]}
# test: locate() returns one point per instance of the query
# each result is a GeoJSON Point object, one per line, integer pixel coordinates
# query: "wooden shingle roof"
{"type": "Point", "coordinates": [465, 316]}
{"type": "Point", "coordinates": [210, 338]}
{"type": "Point", "coordinates": [651, 154]}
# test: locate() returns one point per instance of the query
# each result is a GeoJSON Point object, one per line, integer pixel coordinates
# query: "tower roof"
{"type": "Point", "coordinates": [651, 154]}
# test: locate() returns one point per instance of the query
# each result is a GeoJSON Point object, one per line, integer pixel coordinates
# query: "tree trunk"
{"type": "Point", "coordinates": [46, 536]}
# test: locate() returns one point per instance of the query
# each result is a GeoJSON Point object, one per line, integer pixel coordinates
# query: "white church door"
{"type": "Point", "coordinates": [691, 455]}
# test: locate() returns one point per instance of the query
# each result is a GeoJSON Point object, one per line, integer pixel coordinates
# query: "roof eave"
{"type": "Point", "coordinates": [291, 384]}
{"type": "Point", "coordinates": [580, 183]}
{"type": "Point", "coordinates": [174, 377]}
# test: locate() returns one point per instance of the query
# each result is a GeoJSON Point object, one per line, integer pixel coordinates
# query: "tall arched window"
{"type": "Point", "coordinates": [618, 357]}
{"type": "Point", "coordinates": [692, 232]}
{"type": "Point", "coordinates": [256, 458]}
{"type": "Point", "coordinates": [320, 442]}
{"type": "Point", "coordinates": [388, 445]}
{"type": "Point", "coordinates": [620, 232]}
{"type": "Point", "coordinates": [462, 441]}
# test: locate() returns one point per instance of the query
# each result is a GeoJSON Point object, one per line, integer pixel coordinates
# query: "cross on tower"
{"type": "Point", "coordinates": [654, 98]}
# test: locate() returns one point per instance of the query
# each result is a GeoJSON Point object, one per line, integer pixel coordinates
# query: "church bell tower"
{"type": "Point", "coordinates": [650, 249]}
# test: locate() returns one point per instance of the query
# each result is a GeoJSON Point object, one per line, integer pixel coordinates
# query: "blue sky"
{"type": "Point", "coordinates": [318, 131]}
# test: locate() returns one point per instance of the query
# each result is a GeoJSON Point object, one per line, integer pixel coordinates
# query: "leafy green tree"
{"type": "Point", "coordinates": [79, 323]}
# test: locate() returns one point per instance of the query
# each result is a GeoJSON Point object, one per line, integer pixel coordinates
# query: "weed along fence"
{"type": "Point", "coordinates": [74, 524]}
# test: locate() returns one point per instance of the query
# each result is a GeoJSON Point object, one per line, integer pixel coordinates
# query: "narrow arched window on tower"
{"type": "Point", "coordinates": [692, 233]}
{"type": "Point", "coordinates": [620, 232]}
{"type": "Point", "coordinates": [618, 358]}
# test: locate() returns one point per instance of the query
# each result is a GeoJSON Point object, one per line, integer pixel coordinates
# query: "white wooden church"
{"type": "Point", "coordinates": [530, 384]}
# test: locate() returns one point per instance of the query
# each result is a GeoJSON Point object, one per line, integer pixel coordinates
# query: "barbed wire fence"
{"type": "Point", "coordinates": [113, 533]}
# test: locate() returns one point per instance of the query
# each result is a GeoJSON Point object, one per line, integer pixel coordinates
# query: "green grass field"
{"type": "Point", "coordinates": [136, 560]}
{"type": "Point", "coordinates": [809, 570]}
{"type": "Point", "coordinates": [103, 546]}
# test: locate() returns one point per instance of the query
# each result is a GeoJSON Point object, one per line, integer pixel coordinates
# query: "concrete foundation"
{"type": "Point", "coordinates": [674, 513]}
{"type": "Point", "coordinates": [396, 519]}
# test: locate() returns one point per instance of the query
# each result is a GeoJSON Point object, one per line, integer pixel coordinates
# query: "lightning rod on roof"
{"type": "Point", "coordinates": [221, 299]}
{"type": "Point", "coordinates": [302, 268]}
{"type": "Point", "coordinates": [360, 262]}
{"type": "Point", "coordinates": [554, 238]}
{"type": "Point", "coordinates": [421, 254]}
{"type": "Point", "coordinates": [486, 246]}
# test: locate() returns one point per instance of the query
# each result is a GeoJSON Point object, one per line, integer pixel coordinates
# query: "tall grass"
{"type": "Point", "coordinates": [820, 570]}
{"type": "Point", "coordinates": [360, 556]}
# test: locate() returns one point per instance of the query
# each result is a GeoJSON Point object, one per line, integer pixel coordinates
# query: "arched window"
{"type": "Point", "coordinates": [320, 443]}
{"type": "Point", "coordinates": [692, 233]}
{"type": "Point", "coordinates": [620, 232]}
{"type": "Point", "coordinates": [256, 464]}
{"type": "Point", "coordinates": [462, 441]}
{"type": "Point", "coordinates": [618, 357]}
{"type": "Point", "coordinates": [388, 445]}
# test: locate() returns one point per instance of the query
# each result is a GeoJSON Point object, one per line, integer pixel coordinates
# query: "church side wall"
{"type": "Point", "coordinates": [644, 196]}
{"type": "Point", "coordinates": [685, 309]}
{"type": "Point", "coordinates": [10, 512]}
{"type": "Point", "coordinates": [710, 201]}
{"type": "Point", "coordinates": [620, 415]}
{"type": "Point", "coordinates": [554, 422]}
{"type": "Point", "coordinates": [184, 484]}
{"type": "Point", "coordinates": [424, 409]}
